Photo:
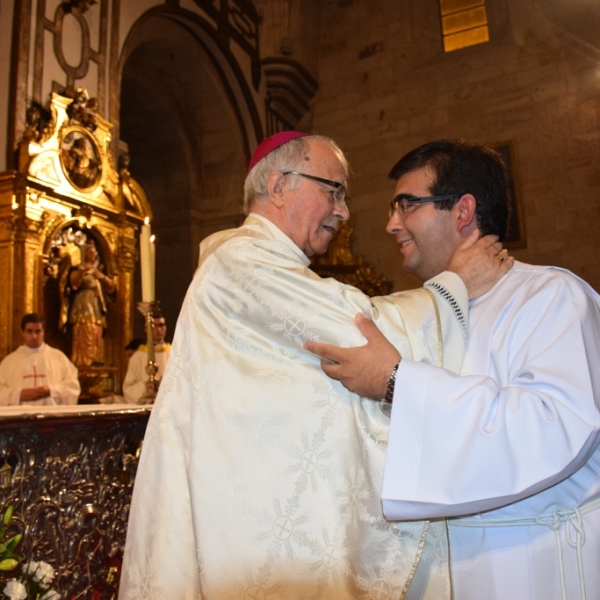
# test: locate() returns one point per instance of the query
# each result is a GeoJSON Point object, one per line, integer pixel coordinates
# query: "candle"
{"type": "Point", "coordinates": [153, 266]}
{"type": "Point", "coordinates": [146, 264]}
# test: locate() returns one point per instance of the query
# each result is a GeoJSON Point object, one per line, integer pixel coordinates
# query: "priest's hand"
{"type": "Point", "coordinates": [364, 370]}
{"type": "Point", "coordinates": [480, 262]}
{"type": "Point", "coordinates": [34, 393]}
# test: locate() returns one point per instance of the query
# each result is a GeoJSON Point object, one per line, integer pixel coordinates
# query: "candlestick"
{"type": "Point", "coordinates": [151, 387]}
{"type": "Point", "coordinates": [153, 266]}
{"type": "Point", "coordinates": [145, 260]}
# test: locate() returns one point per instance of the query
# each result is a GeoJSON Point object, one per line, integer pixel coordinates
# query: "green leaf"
{"type": "Point", "coordinates": [8, 514]}
{"type": "Point", "coordinates": [12, 543]}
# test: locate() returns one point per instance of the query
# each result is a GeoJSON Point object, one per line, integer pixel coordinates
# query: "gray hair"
{"type": "Point", "coordinates": [287, 157]}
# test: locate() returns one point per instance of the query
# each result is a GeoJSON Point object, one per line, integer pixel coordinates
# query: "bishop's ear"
{"type": "Point", "coordinates": [276, 187]}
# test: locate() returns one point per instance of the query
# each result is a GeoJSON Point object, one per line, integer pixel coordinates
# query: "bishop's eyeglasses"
{"type": "Point", "coordinates": [338, 194]}
{"type": "Point", "coordinates": [402, 204]}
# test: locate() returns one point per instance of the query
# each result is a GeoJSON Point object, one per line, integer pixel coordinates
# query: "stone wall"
{"type": "Point", "coordinates": [386, 86]}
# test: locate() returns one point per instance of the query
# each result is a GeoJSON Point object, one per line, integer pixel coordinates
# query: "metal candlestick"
{"type": "Point", "coordinates": [148, 309]}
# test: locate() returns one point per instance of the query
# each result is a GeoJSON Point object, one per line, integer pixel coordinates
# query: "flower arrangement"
{"type": "Point", "coordinates": [36, 577]}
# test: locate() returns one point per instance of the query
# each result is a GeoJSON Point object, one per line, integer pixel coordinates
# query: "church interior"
{"type": "Point", "coordinates": [121, 118]}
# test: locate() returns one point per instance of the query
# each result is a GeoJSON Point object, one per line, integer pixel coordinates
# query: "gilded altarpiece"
{"type": "Point", "coordinates": [67, 206]}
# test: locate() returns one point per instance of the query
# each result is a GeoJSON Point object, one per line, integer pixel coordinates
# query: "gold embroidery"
{"type": "Point", "coordinates": [449, 560]}
{"type": "Point", "coordinates": [416, 562]}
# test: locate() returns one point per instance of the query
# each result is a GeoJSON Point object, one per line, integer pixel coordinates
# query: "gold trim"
{"type": "Point", "coordinates": [449, 560]}
{"type": "Point", "coordinates": [416, 562]}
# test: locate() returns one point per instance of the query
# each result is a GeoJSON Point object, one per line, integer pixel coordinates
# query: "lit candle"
{"type": "Point", "coordinates": [153, 266]}
{"type": "Point", "coordinates": [146, 262]}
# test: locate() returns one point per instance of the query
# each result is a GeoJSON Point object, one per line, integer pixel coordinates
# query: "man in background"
{"type": "Point", "coordinates": [36, 374]}
{"type": "Point", "coordinates": [136, 379]}
{"type": "Point", "coordinates": [260, 477]}
{"type": "Point", "coordinates": [511, 447]}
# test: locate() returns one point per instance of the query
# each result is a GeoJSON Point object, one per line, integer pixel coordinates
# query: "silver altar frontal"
{"type": "Point", "coordinates": [69, 473]}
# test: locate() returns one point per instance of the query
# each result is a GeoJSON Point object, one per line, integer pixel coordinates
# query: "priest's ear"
{"type": "Point", "coordinates": [466, 213]}
{"type": "Point", "coordinates": [276, 187]}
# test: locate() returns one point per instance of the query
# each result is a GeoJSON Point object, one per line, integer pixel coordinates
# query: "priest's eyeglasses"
{"type": "Point", "coordinates": [402, 204]}
{"type": "Point", "coordinates": [338, 194]}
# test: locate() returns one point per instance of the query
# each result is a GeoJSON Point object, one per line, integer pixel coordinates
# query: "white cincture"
{"type": "Point", "coordinates": [574, 532]}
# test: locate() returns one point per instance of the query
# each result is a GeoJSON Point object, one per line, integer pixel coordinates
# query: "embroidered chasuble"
{"type": "Point", "coordinates": [260, 477]}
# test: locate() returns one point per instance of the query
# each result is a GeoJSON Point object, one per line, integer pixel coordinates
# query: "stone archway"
{"type": "Point", "coordinates": [189, 125]}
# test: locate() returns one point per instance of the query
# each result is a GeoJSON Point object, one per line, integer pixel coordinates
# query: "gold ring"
{"type": "Point", "coordinates": [501, 257]}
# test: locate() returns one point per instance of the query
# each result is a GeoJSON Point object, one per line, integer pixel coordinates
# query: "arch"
{"type": "Point", "coordinates": [233, 79]}
{"type": "Point", "coordinates": [189, 116]}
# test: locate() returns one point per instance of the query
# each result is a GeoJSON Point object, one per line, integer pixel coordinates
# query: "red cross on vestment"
{"type": "Point", "coordinates": [35, 376]}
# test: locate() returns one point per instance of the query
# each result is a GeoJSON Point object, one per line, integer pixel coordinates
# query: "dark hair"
{"type": "Point", "coordinates": [464, 168]}
{"type": "Point", "coordinates": [32, 318]}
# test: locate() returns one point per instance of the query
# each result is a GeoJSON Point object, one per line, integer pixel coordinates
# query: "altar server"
{"type": "Point", "coordinates": [35, 373]}
{"type": "Point", "coordinates": [136, 379]}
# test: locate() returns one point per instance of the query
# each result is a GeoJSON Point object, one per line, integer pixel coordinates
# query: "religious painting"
{"type": "Point", "coordinates": [515, 237]}
{"type": "Point", "coordinates": [80, 158]}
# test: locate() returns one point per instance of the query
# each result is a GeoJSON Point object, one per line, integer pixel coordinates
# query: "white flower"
{"type": "Point", "coordinates": [15, 590]}
{"type": "Point", "coordinates": [44, 573]}
{"type": "Point", "coordinates": [51, 595]}
{"type": "Point", "coordinates": [41, 572]}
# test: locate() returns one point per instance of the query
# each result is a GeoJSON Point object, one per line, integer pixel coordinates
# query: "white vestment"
{"type": "Point", "coordinates": [259, 476]}
{"type": "Point", "coordinates": [33, 367]}
{"type": "Point", "coordinates": [134, 384]}
{"type": "Point", "coordinates": [516, 437]}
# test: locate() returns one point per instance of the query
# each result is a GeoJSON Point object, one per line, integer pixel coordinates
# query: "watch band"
{"type": "Point", "coordinates": [385, 404]}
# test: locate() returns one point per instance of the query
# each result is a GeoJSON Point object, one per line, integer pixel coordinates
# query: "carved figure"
{"type": "Point", "coordinates": [83, 110]}
{"type": "Point", "coordinates": [32, 122]}
{"type": "Point", "coordinates": [88, 291]}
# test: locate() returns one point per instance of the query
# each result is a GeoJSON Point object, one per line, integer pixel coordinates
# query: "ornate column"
{"type": "Point", "coordinates": [125, 259]}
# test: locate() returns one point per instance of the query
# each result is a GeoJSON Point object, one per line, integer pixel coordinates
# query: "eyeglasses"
{"type": "Point", "coordinates": [339, 194]}
{"type": "Point", "coordinates": [403, 203]}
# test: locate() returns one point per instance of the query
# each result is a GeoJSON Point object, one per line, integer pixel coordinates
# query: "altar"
{"type": "Point", "coordinates": [69, 471]}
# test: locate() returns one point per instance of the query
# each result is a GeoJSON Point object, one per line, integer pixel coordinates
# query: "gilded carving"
{"type": "Point", "coordinates": [29, 230]}
{"type": "Point", "coordinates": [72, 155]}
{"type": "Point", "coordinates": [67, 188]}
{"type": "Point", "coordinates": [83, 110]}
{"type": "Point", "coordinates": [339, 262]}
{"type": "Point", "coordinates": [7, 227]}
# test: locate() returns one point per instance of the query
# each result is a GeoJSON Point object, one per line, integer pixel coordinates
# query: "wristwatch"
{"type": "Point", "coordinates": [385, 404]}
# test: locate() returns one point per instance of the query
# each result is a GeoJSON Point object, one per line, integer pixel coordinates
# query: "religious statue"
{"type": "Point", "coordinates": [88, 289]}
{"type": "Point", "coordinates": [83, 110]}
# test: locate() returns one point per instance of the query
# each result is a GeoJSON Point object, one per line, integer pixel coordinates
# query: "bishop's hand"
{"type": "Point", "coordinates": [480, 262]}
{"type": "Point", "coordinates": [364, 370]}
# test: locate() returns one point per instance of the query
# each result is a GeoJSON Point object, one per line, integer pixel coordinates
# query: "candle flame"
{"type": "Point", "coordinates": [152, 238]}
{"type": "Point", "coordinates": [147, 221]}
